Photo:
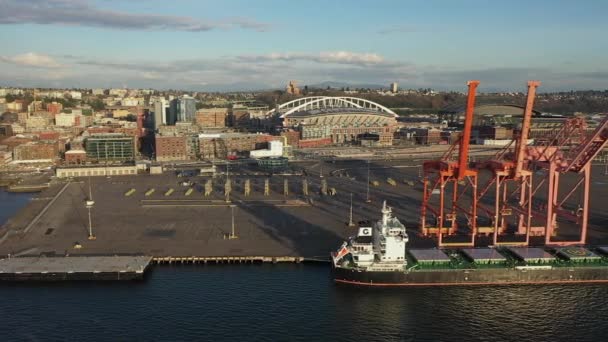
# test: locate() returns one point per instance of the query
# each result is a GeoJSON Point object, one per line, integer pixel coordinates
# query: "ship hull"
{"type": "Point", "coordinates": [487, 276]}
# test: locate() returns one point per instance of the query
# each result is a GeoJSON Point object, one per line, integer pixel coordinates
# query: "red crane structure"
{"type": "Point", "coordinates": [508, 169]}
{"type": "Point", "coordinates": [440, 175]}
{"type": "Point", "coordinates": [556, 159]}
{"type": "Point", "coordinates": [510, 198]}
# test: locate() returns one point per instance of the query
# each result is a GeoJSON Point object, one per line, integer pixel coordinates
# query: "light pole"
{"type": "Point", "coordinates": [350, 221]}
{"type": "Point", "coordinates": [232, 232]}
{"type": "Point", "coordinates": [89, 205]}
{"type": "Point", "coordinates": [227, 186]}
{"type": "Point", "coordinates": [367, 200]}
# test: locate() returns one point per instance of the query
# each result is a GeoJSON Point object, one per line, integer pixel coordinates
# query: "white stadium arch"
{"type": "Point", "coordinates": [327, 102]}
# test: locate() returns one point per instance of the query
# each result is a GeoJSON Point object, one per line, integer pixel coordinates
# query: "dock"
{"type": "Point", "coordinates": [74, 268]}
{"type": "Point", "coordinates": [237, 260]}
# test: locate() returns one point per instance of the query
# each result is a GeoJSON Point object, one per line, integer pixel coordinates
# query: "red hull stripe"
{"type": "Point", "coordinates": [351, 282]}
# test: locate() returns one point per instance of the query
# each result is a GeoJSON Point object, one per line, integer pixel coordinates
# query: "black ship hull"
{"type": "Point", "coordinates": [480, 276]}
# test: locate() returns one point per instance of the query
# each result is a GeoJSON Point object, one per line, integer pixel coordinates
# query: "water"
{"type": "Point", "coordinates": [293, 303]}
{"type": "Point", "coordinates": [10, 203]}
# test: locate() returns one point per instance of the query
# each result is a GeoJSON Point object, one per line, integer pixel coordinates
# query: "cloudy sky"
{"type": "Point", "coordinates": [252, 44]}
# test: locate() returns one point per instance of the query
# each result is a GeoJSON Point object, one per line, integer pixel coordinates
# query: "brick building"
{"type": "Point", "coordinates": [171, 148]}
{"type": "Point", "coordinates": [319, 142]}
{"type": "Point", "coordinates": [74, 157]}
{"type": "Point", "coordinates": [212, 117]}
{"type": "Point", "coordinates": [494, 132]}
{"type": "Point", "coordinates": [222, 144]}
{"type": "Point", "coordinates": [36, 150]}
{"type": "Point", "coordinates": [54, 107]}
{"type": "Point", "coordinates": [351, 134]}
{"type": "Point", "coordinates": [14, 141]}
{"type": "Point", "coordinates": [292, 137]}
{"type": "Point", "coordinates": [427, 136]}
{"type": "Point", "coordinates": [48, 135]}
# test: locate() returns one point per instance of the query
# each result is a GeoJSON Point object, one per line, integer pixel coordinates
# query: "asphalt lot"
{"type": "Point", "coordinates": [181, 224]}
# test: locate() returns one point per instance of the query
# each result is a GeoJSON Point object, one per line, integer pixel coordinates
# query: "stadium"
{"type": "Point", "coordinates": [339, 119]}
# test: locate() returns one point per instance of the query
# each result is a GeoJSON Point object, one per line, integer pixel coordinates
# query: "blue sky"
{"type": "Point", "coordinates": [208, 45]}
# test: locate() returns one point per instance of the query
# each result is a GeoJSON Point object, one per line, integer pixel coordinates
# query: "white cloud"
{"type": "Point", "coordinates": [151, 75]}
{"type": "Point", "coordinates": [347, 57]}
{"type": "Point", "coordinates": [264, 71]}
{"type": "Point", "coordinates": [31, 59]}
{"type": "Point", "coordinates": [86, 13]}
{"type": "Point", "coordinates": [335, 57]}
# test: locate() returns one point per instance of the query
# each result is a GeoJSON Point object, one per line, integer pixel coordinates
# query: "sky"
{"type": "Point", "coordinates": [261, 44]}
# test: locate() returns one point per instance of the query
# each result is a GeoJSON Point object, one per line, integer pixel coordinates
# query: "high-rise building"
{"type": "Point", "coordinates": [394, 87]}
{"type": "Point", "coordinates": [186, 109]}
{"type": "Point", "coordinates": [161, 107]}
{"type": "Point", "coordinates": [173, 112]}
{"type": "Point", "coordinates": [292, 88]}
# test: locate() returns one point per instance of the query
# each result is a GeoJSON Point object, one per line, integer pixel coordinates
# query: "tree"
{"type": "Point", "coordinates": [97, 105]}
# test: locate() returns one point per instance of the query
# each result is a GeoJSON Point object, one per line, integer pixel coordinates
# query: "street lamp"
{"type": "Point", "coordinates": [350, 221]}
{"type": "Point", "coordinates": [367, 199]}
{"type": "Point", "coordinates": [232, 235]}
{"type": "Point", "coordinates": [89, 205]}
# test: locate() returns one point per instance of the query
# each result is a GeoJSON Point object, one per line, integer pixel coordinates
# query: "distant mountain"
{"type": "Point", "coordinates": [244, 86]}
{"type": "Point", "coordinates": [240, 86]}
{"type": "Point", "coordinates": [340, 85]}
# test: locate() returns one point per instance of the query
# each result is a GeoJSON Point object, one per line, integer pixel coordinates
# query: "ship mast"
{"type": "Point", "coordinates": [350, 221]}
{"type": "Point", "coordinates": [386, 213]}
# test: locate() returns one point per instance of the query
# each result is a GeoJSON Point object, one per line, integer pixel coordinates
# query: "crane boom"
{"type": "Point", "coordinates": [463, 151]}
{"type": "Point", "coordinates": [525, 128]}
{"type": "Point", "coordinates": [585, 152]}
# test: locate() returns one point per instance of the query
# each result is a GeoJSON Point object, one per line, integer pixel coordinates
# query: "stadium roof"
{"type": "Point", "coordinates": [326, 104]}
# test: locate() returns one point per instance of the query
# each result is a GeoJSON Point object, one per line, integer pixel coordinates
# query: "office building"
{"type": "Point", "coordinates": [110, 147]}
{"type": "Point", "coordinates": [161, 107]}
{"type": "Point", "coordinates": [186, 109]}
{"type": "Point", "coordinates": [173, 112]}
{"type": "Point", "coordinates": [394, 87]}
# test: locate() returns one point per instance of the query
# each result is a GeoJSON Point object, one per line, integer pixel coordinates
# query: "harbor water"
{"type": "Point", "coordinates": [290, 302]}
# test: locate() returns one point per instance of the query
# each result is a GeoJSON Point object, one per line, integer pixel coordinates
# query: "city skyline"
{"type": "Point", "coordinates": [235, 45]}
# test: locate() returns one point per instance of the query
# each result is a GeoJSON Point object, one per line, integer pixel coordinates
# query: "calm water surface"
{"type": "Point", "coordinates": [291, 303]}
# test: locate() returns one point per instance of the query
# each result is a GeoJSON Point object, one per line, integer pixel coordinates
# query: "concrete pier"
{"type": "Point", "coordinates": [74, 268]}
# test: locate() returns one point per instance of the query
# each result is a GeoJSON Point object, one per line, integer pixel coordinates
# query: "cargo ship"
{"type": "Point", "coordinates": [377, 256]}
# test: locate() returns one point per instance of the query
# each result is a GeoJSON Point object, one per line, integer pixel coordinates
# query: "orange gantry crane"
{"type": "Point", "coordinates": [560, 156]}
{"type": "Point", "coordinates": [445, 173]}
{"type": "Point", "coordinates": [512, 182]}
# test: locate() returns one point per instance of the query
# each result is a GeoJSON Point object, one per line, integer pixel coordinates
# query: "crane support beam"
{"type": "Point", "coordinates": [465, 138]}
{"type": "Point", "coordinates": [525, 128]}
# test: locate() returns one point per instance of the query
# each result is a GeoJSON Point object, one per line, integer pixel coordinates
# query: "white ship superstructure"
{"type": "Point", "coordinates": [380, 247]}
